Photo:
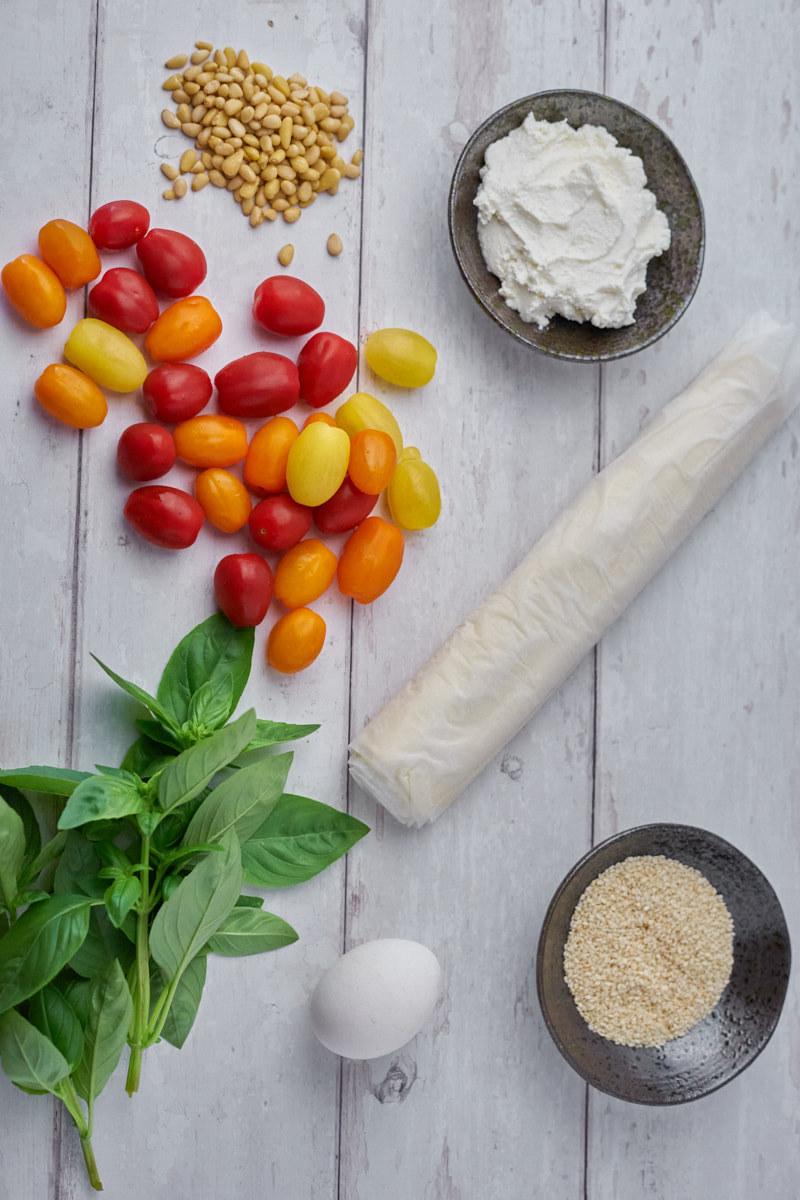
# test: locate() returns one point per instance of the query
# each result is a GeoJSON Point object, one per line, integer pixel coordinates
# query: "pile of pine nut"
{"type": "Point", "coordinates": [272, 142]}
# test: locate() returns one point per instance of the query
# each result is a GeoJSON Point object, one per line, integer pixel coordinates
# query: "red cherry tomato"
{"type": "Point", "coordinates": [257, 385]}
{"type": "Point", "coordinates": [172, 262]}
{"type": "Point", "coordinates": [346, 508]}
{"type": "Point", "coordinates": [123, 298]}
{"type": "Point", "coordinates": [370, 560]}
{"type": "Point", "coordinates": [118, 224]}
{"type": "Point", "coordinates": [326, 365]}
{"type": "Point", "coordinates": [283, 304]}
{"type": "Point", "coordinates": [145, 451]}
{"type": "Point", "coordinates": [278, 522]}
{"type": "Point", "coordinates": [243, 587]}
{"type": "Point", "coordinates": [165, 516]}
{"type": "Point", "coordinates": [176, 391]}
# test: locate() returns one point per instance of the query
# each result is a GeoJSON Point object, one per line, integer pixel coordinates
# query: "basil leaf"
{"type": "Point", "coordinates": [53, 1015]}
{"type": "Point", "coordinates": [250, 931]}
{"type": "Point", "coordinates": [30, 825]}
{"type": "Point", "coordinates": [185, 1002]}
{"type": "Point", "coordinates": [39, 944]}
{"type": "Point", "coordinates": [194, 911]}
{"type": "Point", "coordinates": [105, 1034]}
{"type": "Point", "coordinates": [56, 781]}
{"type": "Point", "coordinates": [299, 838]}
{"type": "Point", "coordinates": [193, 769]}
{"type": "Point", "coordinates": [274, 733]}
{"type": "Point", "coordinates": [103, 943]}
{"type": "Point", "coordinates": [101, 797]}
{"type": "Point", "coordinates": [154, 731]}
{"type": "Point", "coordinates": [139, 694]}
{"type": "Point", "coordinates": [145, 756]}
{"type": "Point", "coordinates": [29, 1058]}
{"type": "Point", "coordinates": [241, 802]}
{"type": "Point", "coordinates": [247, 901]}
{"type": "Point", "coordinates": [121, 897]}
{"type": "Point", "coordinates": [211, 704]}
{"type": "Point", "coordinates": [12, 854]}
{"type": "Point", "coordinates": [216, 652]}
{"type": "Point", "coordinates": [50, 851]}
{"type": "Point", "coordinates": [78, 865]}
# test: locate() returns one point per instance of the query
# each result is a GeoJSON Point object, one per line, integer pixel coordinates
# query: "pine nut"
{"type": "Point", "coordinates": [217, 179]}
{"type": "Point", "coordinates": [168, 194]}
{"type": "Point", "coordinates": [188, 160]}
{"type": "Point", "coordinates": [286, 254]}
{"type": "Point", "coordinates": [191, 128]}
{"type": "Point", "coordinates": [170, 119]}
{"type": "Point", "coordinates": [357, 157]}
{"type": "Point", "coordinates": [198, 56]}
{"type": "Point", "coordinates": [177, 60]}
{"type": "Point", "coordinates": [172, 84]}
{"type": "Point", "coordinates": [291, 214]}
{"type": "Point", "coordinates": [350, 171]}
{"type": "Point", "coordinates": [180, 187]}
{"type": "Point", "coordinates": [248, 204]}
{"type": "Point", "coordinates": [170, 171]}
{"type": "Point", "coordinates": [280, 204]}
{"type": "Point", "coordinates": [256, 216]}
{"type": "Point", "coordinates": [334, 244]}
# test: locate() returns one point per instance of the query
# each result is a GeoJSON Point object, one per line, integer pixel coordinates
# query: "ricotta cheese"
{"type": "Point", "coordinates": [567, 224]}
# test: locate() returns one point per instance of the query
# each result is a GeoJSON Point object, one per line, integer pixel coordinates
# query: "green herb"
{"type": "Point", "coordinates": [107, 927]}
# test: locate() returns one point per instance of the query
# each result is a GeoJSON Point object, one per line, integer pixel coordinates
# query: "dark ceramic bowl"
{"type": "Point", "coordinates": [733, 1034]}
{"type": "Point", "coordinates": [672, 278]}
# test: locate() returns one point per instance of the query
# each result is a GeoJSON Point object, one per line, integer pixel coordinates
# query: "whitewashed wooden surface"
{"type": "Point", "coordinates": [688, 711]}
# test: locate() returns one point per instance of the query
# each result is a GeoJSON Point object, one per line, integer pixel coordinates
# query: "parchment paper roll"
{"type": "Point", "coordinates": [492, 674]}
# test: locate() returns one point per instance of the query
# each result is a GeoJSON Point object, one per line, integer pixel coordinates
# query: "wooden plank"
{"type": "Point", "coordinates": [697, 716]}
{"type": "Point", "coordinates": [461, 1111]}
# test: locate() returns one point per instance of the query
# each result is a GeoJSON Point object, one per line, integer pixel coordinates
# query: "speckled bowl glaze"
{"type": "Point", "coordinates": [672, 278]}
{"type": "Point", "coordinates": [726, 1041]}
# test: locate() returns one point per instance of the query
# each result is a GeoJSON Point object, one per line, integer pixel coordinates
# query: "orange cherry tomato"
{"type": "Point", "coordinates": [325, 418]}
{"type": "Point", "coordinates": [304, 573]}
{"type": "Point", "coordinates": [183, 330]}
{"type": "Point", "coordinates": [209, 440]}
{"type": "Point", "coordinates": [34, 290]}
{"type": "Point", "coordinates": [370, 559]}
{"type": "Point", "coordinates": [70, 252]}
{"type": "Point", "coordinates": [265, 465]}
{"type": "Point", "coordinates": [373, 457]}
{"type": "Point", "coordinates": [295, 640]}
{"type": "Point", "coordinates": [223, 498]}
{"type": "Point", "coordinates": [70, 396]}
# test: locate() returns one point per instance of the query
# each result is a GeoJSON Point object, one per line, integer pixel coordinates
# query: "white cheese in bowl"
{"type": "Point", "coordinates": [567, 224]}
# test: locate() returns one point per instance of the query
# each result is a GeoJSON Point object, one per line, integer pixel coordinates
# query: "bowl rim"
{"type": "Point", "coordinates": [621, 836]}
{"type": "Point", "coordinates": [455, 238]}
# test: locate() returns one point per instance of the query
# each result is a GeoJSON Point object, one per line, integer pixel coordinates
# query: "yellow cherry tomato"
{"type": "Point", "coordinates": [223, 498]}
{"type": "Point", "coordinates": [317, 463]}
{"type": "Point", "coordinates": [363, 411]}
{"type": "Point", "coordinates": [106, 355]}
{"type": "Point", "coordinates": [401, 356]}
{"type": "Point", "coordinates": [70, 396]}
{"type": "Point", "coordinates": [34, 290]}
{"type": "Point", "coordinates": [295, 641]}
{"type": "Point", "coordinates": [414, 498]}
{"type": "Point", "coordinates": [304, 572]}
{"type": "Point", "coordinates": [70, 252]}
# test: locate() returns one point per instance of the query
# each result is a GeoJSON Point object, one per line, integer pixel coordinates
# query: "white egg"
{"type": "Point", "coordinates": [375, 998]}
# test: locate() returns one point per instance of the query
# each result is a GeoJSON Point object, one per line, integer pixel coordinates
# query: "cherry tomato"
{"type": "Point", "coordinates": [261, 384]}
{"type": "Point", "coordinates": [304, 572]}
{"type": "Point", "coordinates": [145, 451]}
{"type": "Point", "coordinates": [401, 356]}
{"type": "Point", "coordinates": [370, 560]}
{"type": "Point", "coordinates": [172, 262]}
{"type": "Point", "coordinates": [243, 587]}
{"type": "Point", "coordinates": [34, 290]}
{"type": "Point", "coordinates": [295, 641]}
{"type": "Point", "coordinates": [317, 463]}
{"type": "Point", "coordinates": [265, 465]}
{"type": "Point", "coordinates": [177, 391]}
{"type": "Point", "coordinates": [318, 418]}
{"type": "Point", "coordinates": [70, 252]}
{"type": "Point", "coordinates": [106, 355]}
{"type": "Point", "coordinates": [278, 522]}
{"type": "Point", "coordinates": [224, 499]}
{"type": "Point", "coordinates": [125, 300]}
{"type": "Point", "coordinates": [363, 411]}
{"type": "Point", "coordinates": [326, 364]}
{"type": "Point", "coordinates": [209, 440]}
{"type": "Point", "coordinates": [185, 329]}
{"type": "Point", "coordinates": [283, 304]}
{"type": "Point", "coordinates": [118, 224]}
{"type": "Point", "coordinates": [373, 458]}
{"type": "Point", "coordinates": [346, 508]}
{"type": "Point", "coordinates": [165, 516]}
{"type": "Point", "coordinates": [70, 396]}
{"type": "Point", "coordinates": [413, 494]}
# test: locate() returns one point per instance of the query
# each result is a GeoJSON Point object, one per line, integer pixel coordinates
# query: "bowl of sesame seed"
{"type": "Point", "coordinates": [663, 964]}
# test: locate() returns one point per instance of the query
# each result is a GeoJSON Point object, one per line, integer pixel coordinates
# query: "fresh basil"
{"type": "Point", "coordinates": [150, 702]}
{"type": "Point", "coordinates": [12, 854]}
{"type": "Point", "coordinates": [56, 781]}
{"type": "Point", "coordinates": [250, 931]}
{"type": "Point", "coordinates": [242, 802]}
{"type": "Point", "coordinates": [39, 944]}
{"type": "Point", "coordinates": [298, 839]}
{"type": "Point", "coordinates": [101, 797]}
{"type": "Point", "coordinates": [109, 1017]}
{"type": "Point", "coordinates": [185, 1002]}
{"type": "Point", "coordinates": [216, 654]}
{"type": "Point", "coordinates": [186, 776]}
{"type": "Point", "coordinates": [29, 1058]}
{"type": "Point", "coordinates": [53, 1015]}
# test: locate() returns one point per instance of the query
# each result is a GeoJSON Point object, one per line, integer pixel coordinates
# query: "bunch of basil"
{"type": "Point", "coordinates": [106, 927]}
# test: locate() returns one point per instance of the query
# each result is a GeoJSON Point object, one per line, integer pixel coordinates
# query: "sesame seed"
{"type": "Point", "coordinates": [649, 951]}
